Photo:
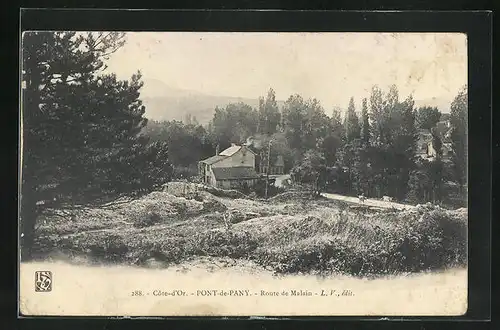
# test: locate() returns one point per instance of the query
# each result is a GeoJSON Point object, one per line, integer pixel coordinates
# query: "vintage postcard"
{"type": "Point", "coordinates": [243, 174]}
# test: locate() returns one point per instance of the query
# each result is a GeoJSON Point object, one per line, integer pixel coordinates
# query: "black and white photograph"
{"type": "Point", "coordinates": [243, 173]}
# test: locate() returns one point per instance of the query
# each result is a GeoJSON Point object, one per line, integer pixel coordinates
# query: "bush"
{"type": "Point", "coordinates": [385, 243]}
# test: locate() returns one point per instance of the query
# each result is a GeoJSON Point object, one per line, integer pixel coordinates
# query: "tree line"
{"type": "Point", "coordinates": [370, 151]}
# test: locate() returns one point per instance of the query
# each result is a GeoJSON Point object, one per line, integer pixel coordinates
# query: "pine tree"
{"type": "Point", "coordinates": [269, 114]}
{"type": "Point", "coordinates": [294, 113]}
{"type": "Point", "coordinates": [338, 129]}
{"type": "Point", "coordinates": [351, 123]}
{"type": "Point", "coordinates": [437, 143]}
{"type": "Point", "coordinates": [81, 137]}
{"type": "Point", "coordinates": [377, 105]}
{"type": "Point", "coordinates": [365, 127]}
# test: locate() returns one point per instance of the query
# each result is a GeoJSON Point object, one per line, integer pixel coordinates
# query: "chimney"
{"type": "Point", "coordinates": [233, 144]}
{"type": "Point", "coordinates": [217, 149]}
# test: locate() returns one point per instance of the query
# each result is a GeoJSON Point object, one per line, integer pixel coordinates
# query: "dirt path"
{"type": "Point", "coordinates": [368, 202]}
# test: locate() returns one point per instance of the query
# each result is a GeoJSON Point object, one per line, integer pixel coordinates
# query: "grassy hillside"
{"type": "Point", "coordinates": [298, 235]}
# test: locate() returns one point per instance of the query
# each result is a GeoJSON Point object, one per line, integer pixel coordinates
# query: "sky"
{"type": "Point", "coordinates": [331, 67]}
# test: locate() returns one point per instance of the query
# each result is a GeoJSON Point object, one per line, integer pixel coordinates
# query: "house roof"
{"type": "Point", "coordinates": [234, 149]}
{"type": "Point", "coordinates": [213, 159]}
{"type": "Point", "coordinates": [224, 154]}
{"type": "Point", "coordinates": [230, 151]}
{"type": "Point", "coordinates": [234, 173]}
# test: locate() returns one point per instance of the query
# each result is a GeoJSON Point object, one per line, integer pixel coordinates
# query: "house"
{"type": "Point", "coordinates": [232, 168]}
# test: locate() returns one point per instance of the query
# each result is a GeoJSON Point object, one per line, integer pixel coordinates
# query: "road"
{"type": "Point", "coordinates": [368, 202]}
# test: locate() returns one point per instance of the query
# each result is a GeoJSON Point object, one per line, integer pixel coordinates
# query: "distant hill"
{"type": "Point", "coordinates": [167, 103]}
{"type": "Point", "coordinates": [174, 107]}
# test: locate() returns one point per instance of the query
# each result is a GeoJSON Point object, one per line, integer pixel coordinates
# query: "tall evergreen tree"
{"type": "Point", "coordinates": [351, 123]}
{"type": "Point", "coordinates": [294, 113]}
{"type": "Point", "coordinates": [81, 129]}
{"type": "Point", "coordinates": [437, 143]}
{"type": "Point", "coordinates": [365, 126]}
{"type": "Point", "coordinates": [377, 105]}
{"type": "Point", "coordinates": [269, 114]}
{"type": "Point", "coordinates": [338, 128]}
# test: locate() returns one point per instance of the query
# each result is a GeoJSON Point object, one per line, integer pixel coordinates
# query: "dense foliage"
{"type": "Point", "coordinates": [372, 151]}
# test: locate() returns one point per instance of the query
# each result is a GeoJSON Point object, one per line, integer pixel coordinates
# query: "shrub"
{"type": "Point", "coordinates": [385, 243]}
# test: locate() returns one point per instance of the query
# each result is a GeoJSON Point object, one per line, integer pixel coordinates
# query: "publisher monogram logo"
{"type": "Point", "coordinates": [43, 281]}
